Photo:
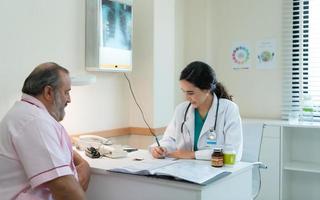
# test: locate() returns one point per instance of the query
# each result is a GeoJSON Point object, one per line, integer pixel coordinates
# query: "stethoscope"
{"type": "Point", "coordinates": [185, 119]}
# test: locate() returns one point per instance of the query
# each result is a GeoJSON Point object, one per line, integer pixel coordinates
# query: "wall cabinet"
{"type": "Point", "coordinates": [300, 163]}
{"type": "Point", "coordinates": [292, 153]}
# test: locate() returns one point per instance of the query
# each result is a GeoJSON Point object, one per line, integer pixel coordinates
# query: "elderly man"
{"type": "Point", "coordinates": [36, 156]}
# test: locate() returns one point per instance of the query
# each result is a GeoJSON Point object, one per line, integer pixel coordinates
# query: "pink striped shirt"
{"type": "Point", "coordinates": [34, 149]}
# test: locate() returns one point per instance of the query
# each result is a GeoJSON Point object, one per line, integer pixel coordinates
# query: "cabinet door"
{"type": "Point", "coordinates": [270, 155]}
{"type": "Point", "coordinates": [300, 162]}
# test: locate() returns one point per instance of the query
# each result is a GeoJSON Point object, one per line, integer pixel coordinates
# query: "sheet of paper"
{"type": "Point", "coordinates": [144, 166]}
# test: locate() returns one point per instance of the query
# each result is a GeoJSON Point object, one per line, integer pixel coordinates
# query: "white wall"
{"type": "Point", "coordinates": [191, 37]}
{"type": "Point", "coordinates": [37, 31]}
{"type": "Point", "coordinates": [153, 62]}
{"type": "Point", "coordinates": [212, 26]}
{"type": "Point", "coordinates": [142, 73]}
{"type": "Point", "coordinates": [258, 92]}
{"type": "Point", "coordinates": [179, 47]}
{"type": "Point", "coordinates": [164, 61]}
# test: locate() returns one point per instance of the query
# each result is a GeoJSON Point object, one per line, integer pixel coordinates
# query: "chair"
{"type": "Point", "coordinates": [252, 139]}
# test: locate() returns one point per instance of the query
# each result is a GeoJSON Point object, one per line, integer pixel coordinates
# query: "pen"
{"type": "Point", "coordinates": [158, 143]}
{"type": "Point", "coordinates": [156, 139]}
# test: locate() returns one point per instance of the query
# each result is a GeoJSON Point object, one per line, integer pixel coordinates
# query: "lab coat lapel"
{"type": "Point", "coordinates": [190, 122]}
{"type": "Point", "coordinates": [209, 123]}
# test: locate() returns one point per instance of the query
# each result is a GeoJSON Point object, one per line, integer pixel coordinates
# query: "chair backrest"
{"type": "Point", "coordinates": [252, 139]}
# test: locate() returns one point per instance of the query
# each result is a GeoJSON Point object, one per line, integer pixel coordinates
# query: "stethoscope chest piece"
{"type": "Point", "coordinates": [212, 134]}
{"type": "Point", "coordinates": [211, 138]}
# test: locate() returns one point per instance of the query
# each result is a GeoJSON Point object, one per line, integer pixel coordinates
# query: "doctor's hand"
{"type": "Point", "coordinates": [182, 154]}
{"type": "Point", "coordinates": [159, 152]}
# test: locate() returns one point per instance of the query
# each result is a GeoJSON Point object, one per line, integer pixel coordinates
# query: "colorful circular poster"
{"type": "Point", "coordinates": [240, 55]}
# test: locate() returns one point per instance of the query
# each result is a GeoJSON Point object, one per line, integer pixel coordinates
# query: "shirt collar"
{"type": "Point", "coordinates": [32, 100]}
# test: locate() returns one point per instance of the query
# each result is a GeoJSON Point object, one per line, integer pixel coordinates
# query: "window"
{"type": "Point", "coordinates": [301, 40]}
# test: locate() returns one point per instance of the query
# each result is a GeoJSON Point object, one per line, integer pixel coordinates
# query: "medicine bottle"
{"type": "Point", "coordinates": [217, 157]}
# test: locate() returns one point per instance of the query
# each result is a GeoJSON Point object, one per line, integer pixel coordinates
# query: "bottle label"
{"type": "Point", "coordinates": [217, 161]}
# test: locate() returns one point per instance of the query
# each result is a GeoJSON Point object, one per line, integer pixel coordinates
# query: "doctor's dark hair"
{"type": "Point", "coordinates": [203, 76]}
{"type": "Point", "coordinates": [43, 75]}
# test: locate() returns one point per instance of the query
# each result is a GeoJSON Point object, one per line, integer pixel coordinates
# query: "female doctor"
{"type": "Point", "coordinates": [207, 119]}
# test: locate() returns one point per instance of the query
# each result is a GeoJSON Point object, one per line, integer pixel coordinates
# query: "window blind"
{"type": "Point", "coordinates": [301, 56]}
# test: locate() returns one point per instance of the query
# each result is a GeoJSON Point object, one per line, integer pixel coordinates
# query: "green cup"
{"type": "Point", "coordinates": [229, 158]}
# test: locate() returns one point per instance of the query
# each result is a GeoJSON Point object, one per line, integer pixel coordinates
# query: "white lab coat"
{"type": "Point", "coordinates": [228, 129]}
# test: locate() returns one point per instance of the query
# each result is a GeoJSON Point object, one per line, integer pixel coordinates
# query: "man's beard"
{"type": "Point", "coordinates": [58, 107]}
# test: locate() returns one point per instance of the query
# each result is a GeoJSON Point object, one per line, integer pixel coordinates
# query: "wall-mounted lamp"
{"type": "Point", "coordinates": [83, 79]}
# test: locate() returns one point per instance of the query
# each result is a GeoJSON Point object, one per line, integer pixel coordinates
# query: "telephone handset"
{"type": "Point", "coordinates": [95, 138]}
{"type": "Point", "coordinates": [102, 145]}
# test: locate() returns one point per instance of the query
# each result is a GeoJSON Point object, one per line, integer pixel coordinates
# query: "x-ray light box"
{"type": "Point", "coordinates": [109, 35]}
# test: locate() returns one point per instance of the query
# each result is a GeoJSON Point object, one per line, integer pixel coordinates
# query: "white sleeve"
{"type": "Point", "coordinates": [169, 137]}
{"type": "Point", "coordinates": [233, 129]}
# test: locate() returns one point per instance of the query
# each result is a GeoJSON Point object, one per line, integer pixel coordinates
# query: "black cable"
{"type": "Point", "coordinates": [135, 100]}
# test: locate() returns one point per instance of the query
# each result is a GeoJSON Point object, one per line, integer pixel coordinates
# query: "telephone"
{"type": "Point", "coordinates": [102, 145]}
{"type": "Point", "coordinates": [87, 141]}
{"type": "Point", "coordinates": [113, 151]}
{"type": "Point", "coordinates": [95, 138]}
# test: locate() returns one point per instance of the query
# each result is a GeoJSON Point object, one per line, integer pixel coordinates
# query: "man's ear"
{"type": "Point", "coordinates": [48, 93]}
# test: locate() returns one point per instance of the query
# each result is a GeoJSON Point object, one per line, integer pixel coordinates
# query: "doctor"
{"type": "Point", "coordinates": [207, 119]}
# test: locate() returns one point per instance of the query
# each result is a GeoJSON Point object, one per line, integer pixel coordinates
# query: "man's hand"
{"type": "Point", "coordinates": [159, 152]}
{"type": "Point", "coordinates": [65, 188]}
{"type": "Point", "coordinates": [182, 154]}
{"type": "Point", "coordinates": [83, 170]}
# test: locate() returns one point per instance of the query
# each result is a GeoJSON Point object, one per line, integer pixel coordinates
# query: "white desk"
{"type": "Point", "coordinates": [105, 185]}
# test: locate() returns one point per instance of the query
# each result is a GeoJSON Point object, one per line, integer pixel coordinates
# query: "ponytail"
{"type": "Point", "coordinates": [221, 92]}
